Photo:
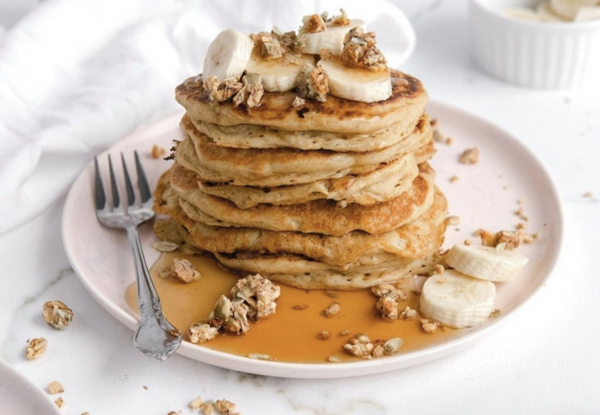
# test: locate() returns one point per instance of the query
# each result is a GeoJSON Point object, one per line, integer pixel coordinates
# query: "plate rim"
{"type": "Point", "coordinates": [324, 370]}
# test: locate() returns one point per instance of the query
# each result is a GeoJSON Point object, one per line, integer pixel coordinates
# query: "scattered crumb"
{"type": "Point", "coordinates": [332, 310]}
{"type": "Point", "coordinates": [469, 156]}
{"type": "Point", "coordinates": [438, 137]}
{"type": "Point", "coordinates": [59, 402]}
{"type": "Point", "coordinates": [36, 348]}
{"type": "Point", "coordinates": [345, 332]}
{"type": "Point", "coordinates": [434, 122]}
{"type": "Point", "coordinates": [361, 346]}
{"type": "Point", "coordinates": [467, 242]}
{"type": "Point", "coordinates": [452, 220]}
{"type": "Point", "coordinates": [57, 315]}
{"type": "Point", "coordinates": [158, 152]}
{"type": "Point", "coordinates": [429, 326]}
{"type": "Point", "coordinates": [299, 103]}
{"type": "Point", "coordinates": [174, 413]}
{"type": "Point", "coordinates": [207, 408]}
{"type": "Point", "coordinates": [184, 271]}
{"type": "Point", "coordinates": [197, 403]}
{"type": "Point", "coordinates": [521, 226]}
{"type": "Point", "coordinates": [55, 387]}
{"type": "Point", "coordinates": [331, 294]}
{"type": "Point", "coordinates": [85, 413]}
{"type": "Point", "coordinates": [260, 356]}
{"type": "Point", "coordinates": [145, 388]}
{"type": "Point", "coordinates": [511, 240]}
{"type": "Point", "coordinates": [453, 179]}
{"type": "Point", "coordinates": [334, 358]}
{"type": "Point", "coordinates": [225, 407]}
{"type": "Point", "coordinates": [300, 307]}
{"type": "Point", "coordinates": [588, 195]}
{"type": "Point", "coordinates": [201, 333]}
{"type": "Point", "coordinates": [408, 313]}
{"type": "Point", "coordinates": [495, 314]}
{"type": "Point", "coordinates": [324, 335]}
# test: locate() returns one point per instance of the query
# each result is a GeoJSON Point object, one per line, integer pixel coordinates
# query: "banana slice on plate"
{"type": "Point", "coordinates": [457, 300]}
{"type": "Point", "coordinates": [278, 75]}
{"type": "Point", "coordinates": [357, 84]}
{"type": "Point", "coordinates": [228, 55]}
{"type": "Point", "coordinates": [486, 262]}
{"type": "Point", "coordinates": [331, 38]}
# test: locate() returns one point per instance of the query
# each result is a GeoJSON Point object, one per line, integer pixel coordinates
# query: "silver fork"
{"type": "Point", "coordinates": [155, 336]}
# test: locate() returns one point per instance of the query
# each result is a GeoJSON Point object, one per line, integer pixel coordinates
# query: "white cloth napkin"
{"type": "Point", "coordinates": [76, 76]}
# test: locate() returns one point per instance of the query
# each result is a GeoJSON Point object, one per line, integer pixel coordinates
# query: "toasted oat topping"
{"type": "Point", "coordinates": [59, 402]}
{"type": "Point", "coordinates": [290, 41]}
{"type": "Point", "coordinates": [312, 83]}
{"type": "Point", "coordinates": [360, 51]}
{"type": "Point", "coordinates": [158, 152]}
{"type": "Point", "coordinates": [207, 408]}
{"type": "Point", "coordinates": [55, 387]}
{"type": "Point", "coordinates": [469, 156]}
{"type": "Point", "coordinates": [197, 403]}
{"type": "Point", "coordinates": [268, 44]}
{"type": "Point", "coordinates": [511, 240]}
{"type": "Point", "coordinates": [57, 315]}
{"type": "Point", "coordinates": [344, 332]}
{"type": "Point", "coordinates": [184, 271]}
{"type": "Point", "coordinates": [408, 313]}
{"type": "Point", "coordinates": [324, 335]}
{"type": "Point", "coordinates": [36, 348]}
{"type": "Point", "coordinates": [231, 316]}
{"type": "Point", "coordinates": [313, 23]}
{"type": "Point", "coordinates": [360, 346]}
{"type": "Point", "coordinates": [334, 358]}
{"type": "Point", "coordinates": [201, 333]}
{"type": "Point", "coordinates": [341, 20]}
{"type": "Point", "coordinates": [221, 91]}
{"type": "Point", "coordinates": [259, 294]}
{"type": "Point", "coordinates": [387, 303]}
{"type": "Point", "coordinates": [299, 103]}
{"type": "Point", "coordinates": [225, 407]}
{"type": "Point", "coordinates": [251, 93]}
{"type": "Point", "coordinates": [453, 179]}
{"type": "Point", "coordinates": [333, 310]}
{"type": "Point", "coordinates": [438, 137]}
{"type": "Point", "coordinates": [429, 326]}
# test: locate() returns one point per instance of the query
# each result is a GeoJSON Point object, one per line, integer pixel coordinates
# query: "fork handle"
{"type": "Point", "coordinates": [154, 331]}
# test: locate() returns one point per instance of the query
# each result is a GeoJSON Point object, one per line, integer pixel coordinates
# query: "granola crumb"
{"type": "Point", "coordinates": [158, 152]}
{"type": "Point", "coordinates": [511, 240]}
{"type": "Point", "coordinates": [197, 403]}
{"type": "Point", "coordinates": [313, 83]}
{"type": "Point", "coordinates": [145, 387]}
{"type": "Point", "coordinates": [521, 226]}
{"type": "Point", "coordinates": [452, 220]}
{"type": "Point", "coordinates": [588, 195]}
{"type": "Point", "coordinates": [332, 310]}
{"type": "Point", "coordinates": [467, 242]}
{"type": "Point", "coordinates": [57, 315]}
{"type": "Point", "coordinates": [36, 348]}
{"type": "Point", "coordinates": [495, 314]}
{"type": "Point", "coordinates": [225, 407]}
{"type": "Point", "coordinates": [260, 356]}
{"type": "Point", "coordinates": [59, 402]}
{"type": "Point", "coordinates": [300, 307]}
{"type": "Point", "coordinates": [438, 137]}
{"type": "Point", "coordinates": [331, 294]}
{"type": "Point", "coordinates": [453, 179]}
{"type": "Point", "coordinates": [345, 332]}
{"type": "Point", "coordinates": [184, 271]}
{"type": "Point", "coordinates": [299, 103]}
{"type": "Point", "coordinates": [360, 346]}
{"type": "Point", "coordinates": [429, 326]}
{"type": "Point", "coordinates": [221, 91]}
{"type": "Point", "coordinates": [334, 358]}
{"type": "Point", "coordinates": [324, 335]}
{"type": "Point", "coordinates": [259, 294]}
{"type": "Point", "coordinates": [408, 314]}
{"type": "Point", "coordinates": [201, 333]}
{"type": "Point", "coordinates": [207, 408]}
{"type": "Point", "coordinates": [469, 156]}
{"type": "Point", "coordinates": [55, 387]}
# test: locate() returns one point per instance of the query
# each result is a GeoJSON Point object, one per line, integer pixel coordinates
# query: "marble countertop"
{"type": "Point", "coordinates": [545, 360]}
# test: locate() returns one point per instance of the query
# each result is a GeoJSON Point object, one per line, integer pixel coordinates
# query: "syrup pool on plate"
{"type": "Point", "coordinates": [292, 333]}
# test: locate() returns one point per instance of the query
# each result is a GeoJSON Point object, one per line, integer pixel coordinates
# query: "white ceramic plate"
{"type": "Point", "coordinates": [19, 396]}
{"type": "Point", "coordinates": [484, 196]}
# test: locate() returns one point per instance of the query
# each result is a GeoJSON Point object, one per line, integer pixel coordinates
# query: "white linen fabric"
{"type": "Point", "coordinates": [76, 76]}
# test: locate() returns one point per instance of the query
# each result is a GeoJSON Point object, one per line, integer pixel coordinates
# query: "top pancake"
{"type": "Point", "coordinates": [406, 104]}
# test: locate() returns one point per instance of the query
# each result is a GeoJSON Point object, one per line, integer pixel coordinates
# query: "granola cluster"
{"type": "Point", "coordinates": [184, 271]}
{"type": "Point", "coordinates": [360, 51]}
{"type": "Point", "coordinates": [57, 315]}
{"type": "Point", "coordinates": [312, 83]}
{"type": "Point", "coordinates": [253, 298]}
{"type": "Point", "coordinates": [511, 240]}
{"type": "Point", "coordinates": [361, 346]}
{"type": "Point", "coordinates": [387, 302]}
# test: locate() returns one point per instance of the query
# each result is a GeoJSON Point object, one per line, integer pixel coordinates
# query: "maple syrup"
{"type": "Point", "coordinates": [292, 333]}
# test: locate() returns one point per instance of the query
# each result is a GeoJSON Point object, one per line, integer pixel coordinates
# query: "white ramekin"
{"type": "Point", "coordinates": [543, 55]}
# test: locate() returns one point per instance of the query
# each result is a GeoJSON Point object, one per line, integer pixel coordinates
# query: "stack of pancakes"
{"type": "Point", "coordinates": [335, 194]}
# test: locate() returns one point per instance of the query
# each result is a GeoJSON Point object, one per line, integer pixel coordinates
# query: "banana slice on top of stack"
{"type": "Point", "coordinates": [464, 296]}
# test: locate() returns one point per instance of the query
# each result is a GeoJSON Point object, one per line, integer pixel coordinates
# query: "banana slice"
{"type": "Point", "coordinates": [357, 84]}
{"type": "Point", "coordinates": [486, 262]}
{"type": "Point", "coordinates": [457, 300]}
{"type": "Point", "coordinates": [331, 38]}
{"type": "Point", "coordinates": [228, 55]}
{"type": "Point", "coordinates": [278, 75]}
{"type": "Point", "coordinates": [569, 8]}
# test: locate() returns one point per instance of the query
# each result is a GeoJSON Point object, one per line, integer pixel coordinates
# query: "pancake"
{"type": "Point", "coordinates": [281, 167]}
{"type": "Point", "coordinates": [405, 105]}
{"type": "Point", "coordinates": [387, 181]}
{"type": "Point", "coordinates": [320, 216]}
{"type": "Point", "coordinates": [417, 239]}
{"type": "Point", "coordinates": [258, 136]}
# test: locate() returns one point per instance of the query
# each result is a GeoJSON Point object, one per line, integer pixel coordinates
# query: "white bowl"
{"type": "Point", "coordinates": [543, 55]}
